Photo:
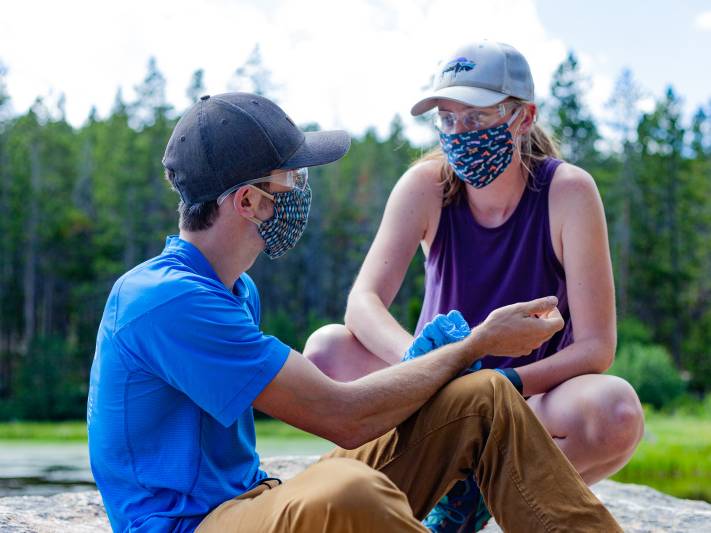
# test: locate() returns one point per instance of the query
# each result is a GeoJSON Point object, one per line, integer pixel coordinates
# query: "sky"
{"type": "Point", "coordinates": [350, 64]}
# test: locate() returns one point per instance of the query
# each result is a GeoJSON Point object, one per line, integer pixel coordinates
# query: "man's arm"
{"type": "Point", "coordinates": [351, 414]}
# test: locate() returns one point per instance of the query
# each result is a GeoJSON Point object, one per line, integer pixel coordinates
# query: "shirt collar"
{"type": "Point", "coordinates": [194, 258]}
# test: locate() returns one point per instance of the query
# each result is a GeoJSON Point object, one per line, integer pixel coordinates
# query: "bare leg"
{"type": "Point", "coordinates": [595, 419]}
{"type": "Point", "coordinates": [339, 355]}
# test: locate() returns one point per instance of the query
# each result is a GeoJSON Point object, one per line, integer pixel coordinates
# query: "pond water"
{"type": "Point", "coordinates": [50, 468]}
{"type": "Point", "coordinates": [30, 468]}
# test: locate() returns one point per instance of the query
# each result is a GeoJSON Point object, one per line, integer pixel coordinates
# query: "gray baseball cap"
{"type": "Point", "coordinates": [227, 139]}
{"type": "Point", "coordinates": [480, 74]}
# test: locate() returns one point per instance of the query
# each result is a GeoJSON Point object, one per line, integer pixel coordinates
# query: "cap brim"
{"type": "Point", "coordinates": [319, 148]}
{"type": "Point", "coordinates": [475, 96]}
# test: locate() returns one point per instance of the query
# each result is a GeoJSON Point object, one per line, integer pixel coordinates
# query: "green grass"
{"type": "Point", "coordinates": [43, 431]}
{"type": "Point", "coordinates": [275, 429]}
{"type": "Point", "coordinates": [76, 431]}
{"type": "Point", "coordinates": [674, 457]}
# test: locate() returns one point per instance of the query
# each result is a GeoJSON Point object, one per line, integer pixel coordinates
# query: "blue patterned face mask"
{"type": "Point", "coordinates": [479, 157]}
{"type": "Point", "coordinates": [291, 211]}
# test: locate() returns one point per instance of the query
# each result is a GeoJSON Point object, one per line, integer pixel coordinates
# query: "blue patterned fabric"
{"type": "Point", "coordinates": [284, 229]}
{"type": "Point", "coordinates": [478, 157]}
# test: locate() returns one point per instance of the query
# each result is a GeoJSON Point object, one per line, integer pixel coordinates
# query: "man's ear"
{"type": "Point", "coordinates": [245, 201]}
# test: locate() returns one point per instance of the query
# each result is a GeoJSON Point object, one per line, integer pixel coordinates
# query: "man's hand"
{"type": "Point", "coordinates": [518, 329]}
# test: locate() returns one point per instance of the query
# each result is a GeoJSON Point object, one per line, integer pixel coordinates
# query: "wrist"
{"type": "Point", "coordinates": [478, 340]}
{"type": "Point", "coordinates": [476, 344]}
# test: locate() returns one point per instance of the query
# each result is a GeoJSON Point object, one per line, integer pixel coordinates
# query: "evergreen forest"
{"type": "Point", "coordinates": [82, 205]}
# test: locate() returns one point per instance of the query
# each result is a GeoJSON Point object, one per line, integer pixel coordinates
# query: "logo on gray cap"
{"type": "Point", "coordinates": [480, 74]}
{"type": "Point", "coordinates": [461, 64]}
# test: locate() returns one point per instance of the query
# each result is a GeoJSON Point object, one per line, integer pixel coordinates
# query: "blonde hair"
{"type": "Point", "coordinates": [533, 148]}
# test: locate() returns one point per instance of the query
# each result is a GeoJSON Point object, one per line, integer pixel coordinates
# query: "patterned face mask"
{"type": "Point", "coordinates": [291, 211]}
{"type": "Point", "coordinates": [479, 157]}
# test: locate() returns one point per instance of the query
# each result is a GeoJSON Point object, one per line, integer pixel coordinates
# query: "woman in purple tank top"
{"type": "Point", "coordinates": [500, 220]}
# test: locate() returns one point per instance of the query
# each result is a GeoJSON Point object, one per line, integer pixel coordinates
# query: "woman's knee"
{"type": "Point", "coordinates": [323, 343]}
{"type": "Point", "coordinates": [616, 420]}
{"type": "Point", "coordinates": [627, 414]}
{"type": "Point", "coordinates": [339, 354]}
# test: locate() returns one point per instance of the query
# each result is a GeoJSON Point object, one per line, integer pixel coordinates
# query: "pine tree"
{"type": "Point", "coordinates": [153, 198]}
{"type": "Point", "coordinates": [572, 123]}
{"type": "Point", "coordinates": [197, 87]}
{"type": "Point", "coordinates": [5, 241]}
{"type": "Point", "coordinates": [659, 235]}
{"type": "Point", "coordinates": [697, 343]}
{"type": "Point", "coordinates": [623, 104]}
{"type": "Point", "coordinates": [254, 77]}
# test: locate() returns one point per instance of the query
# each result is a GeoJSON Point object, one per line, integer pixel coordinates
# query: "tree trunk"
{"type": "Point", "coordinates": [29, 276]}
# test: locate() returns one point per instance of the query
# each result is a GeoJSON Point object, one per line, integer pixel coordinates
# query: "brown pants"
{"type": "Point", "coordinates": [476, 423]}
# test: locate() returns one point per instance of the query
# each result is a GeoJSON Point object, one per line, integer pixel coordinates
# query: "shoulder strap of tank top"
{"type": "Point", "coordinates": [543, 173]}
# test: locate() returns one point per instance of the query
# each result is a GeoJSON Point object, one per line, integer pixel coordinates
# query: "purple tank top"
{"type": "Point", "coordinates": [476, 269]}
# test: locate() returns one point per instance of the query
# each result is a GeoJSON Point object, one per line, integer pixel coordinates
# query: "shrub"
{"type": "Point", "coordinates": [649, 369]}
{"type": "Point", "coordinates": [696, 355]}
{"type": "Point", "coordinates": [50, 384]}
{"type": "Point", "coordinates": [691, 405]}
{"type": "Point", "coordinates": [631, 330]}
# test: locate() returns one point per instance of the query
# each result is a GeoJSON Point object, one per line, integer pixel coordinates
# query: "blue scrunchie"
{"type": "Point", "coordinates": [445, 329]}
{"type": "Point", "coordinates": [442, 330]}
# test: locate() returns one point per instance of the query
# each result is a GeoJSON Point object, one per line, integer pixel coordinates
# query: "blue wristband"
{"type": "Point", "coordinates": [513, 377]}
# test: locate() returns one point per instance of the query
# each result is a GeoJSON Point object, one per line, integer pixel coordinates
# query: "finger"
{"type": "Point", "coordinates": [552, 323]}
{"type": "Point", "coordinates": [538, 306]}
{"type": "Point", "coordinates": [547, 313]}
{"type": "Point", "coordinates": [553, 313]}
{"type": "Point", "coordinates": [522, 353]}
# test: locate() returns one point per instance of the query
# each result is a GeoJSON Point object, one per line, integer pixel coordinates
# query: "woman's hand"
{"type": "Point", "coordinates": [518, 329]}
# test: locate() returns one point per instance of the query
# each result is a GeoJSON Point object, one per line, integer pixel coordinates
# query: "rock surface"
{"type": "Point", "coordinates": [636, 507]}
{"type": "Point", "coordinates": [641, 509]}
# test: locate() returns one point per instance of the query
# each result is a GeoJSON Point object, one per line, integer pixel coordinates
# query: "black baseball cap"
{"type": "Point", "coordinates": [227, 139]}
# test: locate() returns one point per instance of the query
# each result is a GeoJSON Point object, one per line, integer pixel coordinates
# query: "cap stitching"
{"type": "Point", "coordinates": [229, 105]}
{"type": "Point", "coordinates": [202, 128]}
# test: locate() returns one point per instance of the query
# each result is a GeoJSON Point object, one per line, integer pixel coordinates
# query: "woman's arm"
{"type": "Point", "coordinates": [411, 215]}
{"type": "Point", "coordinates": [579, 234]}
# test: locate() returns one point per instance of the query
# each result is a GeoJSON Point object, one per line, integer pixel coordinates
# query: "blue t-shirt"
{"type": "Point", "coordinates": [179, 361]}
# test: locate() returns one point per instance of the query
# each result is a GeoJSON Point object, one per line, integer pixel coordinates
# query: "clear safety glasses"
{"type": "Point", "coordinates": [471, 119]}
{"type": "Point", "coordinates": [294, 179]}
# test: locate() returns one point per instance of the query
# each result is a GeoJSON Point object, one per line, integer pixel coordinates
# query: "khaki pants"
{"type": "Point", "coordinates": [476, 423]}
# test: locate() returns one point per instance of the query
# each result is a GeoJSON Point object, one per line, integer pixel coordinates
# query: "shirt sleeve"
{"type": "Point", "coordinates": [208, 346]}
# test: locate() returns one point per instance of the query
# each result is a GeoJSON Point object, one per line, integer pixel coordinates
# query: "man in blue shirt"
{"type": "Point", "coordinates": [181, 360]}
